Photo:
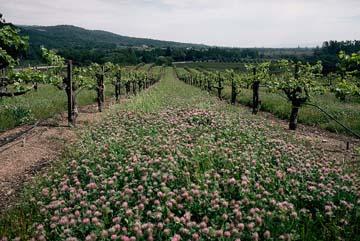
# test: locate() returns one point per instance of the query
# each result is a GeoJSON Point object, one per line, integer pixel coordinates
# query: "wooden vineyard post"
{"type": "Point", "coordinates": [2, 82]}
{"type": "Point", "coordinates": [255, 87]}
{"type": "Point", "coordinates": [118, 87]}
{"type": "Point", "coordinates": [103, 85]}
{"type": "Point", "coordinates": [220, 87]}
{"type": "Point", "coordinates": [296, 103]}
{"type": "Point", "coordinates": [127, 87]}
{"type": "Point", "coordinates": [2, 86]}
{"type": "Point", "coordinates": [36, 84]}
{"type": "Point", "coordinates": [209, 85]}
{"type": "Point", "coordinates": [233, 91]}
{"type": "Point", "coordinates": [140, 85]}
{"type": "Point", "coordinates": [70, 95]}
{"type": "Point", "coordinates": [134, 87]}
{"type": "Point", "coordinates": [100, 90]}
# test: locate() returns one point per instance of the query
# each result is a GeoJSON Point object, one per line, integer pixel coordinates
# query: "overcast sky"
{"type": "Point", "coordinates": [234, 23]}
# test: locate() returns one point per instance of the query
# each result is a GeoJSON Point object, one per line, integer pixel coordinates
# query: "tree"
{"type": "Point", "coordinates": [350, 63]}
{"type": "Point", "coordinates": [235, 80]}
{"type": "Point", "coordinates": [348, 76]}
{"type": "Point", "coordinates": [162, 60]}
{"type": "Point", "coordinates": [298, 81]}
{"type": "Point", "coordinates": [12, 46]}
{"type": "Point", "coordinates": [257, 75]}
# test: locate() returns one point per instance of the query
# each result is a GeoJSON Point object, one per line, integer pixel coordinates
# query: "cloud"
{"type": "Point", "coordinates": [227, 23]}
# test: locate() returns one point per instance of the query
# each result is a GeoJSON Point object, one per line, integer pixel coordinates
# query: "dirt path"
{"type": "Point", "coordinates": [22, 158]}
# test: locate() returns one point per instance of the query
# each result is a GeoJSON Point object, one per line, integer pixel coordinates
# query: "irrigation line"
{"type": "Point", "coordinates": [319, 108]}
{"type": "Point", "coordinates": [17, 136]}
{"type": "Point", "coordinates": [331, 117]}
{"type": "Point", "coordinates": [334, 119]}
{"type": "Point", "coordinates": [328, 115]}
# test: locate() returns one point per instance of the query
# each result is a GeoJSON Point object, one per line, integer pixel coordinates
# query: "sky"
{"type": "Point", "coordinates": [231, 23]}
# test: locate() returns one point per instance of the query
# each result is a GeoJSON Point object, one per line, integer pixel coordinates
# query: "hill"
{"type": "Point", "coordinates": [86, 46]}
{"type": "Point", "coordinates": [71, 36]}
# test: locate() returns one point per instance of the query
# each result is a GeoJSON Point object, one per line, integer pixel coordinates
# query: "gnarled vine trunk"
{"type": "Point", "coordinates": [256, 100]}
{"type": "Point", "coordinates": [233, 92]}
{"type": "Point", "coordinates": [71, 97]}
{"type": "Point", "coordinates": [127, 88]}
{"type": "Point", "coordinates": [2, 84]}
{"type": "Point", "coordinates": [296, 100]}
{"type": "Point", "coordinates": [140, 83]}
{"type": "Point", "coordinates": [117, 89]}
{"type": "Point", "coordinates": [100, 92]}
{"type": "Point", "coordinates": [219, 88]}
{"type": "Point", "coordinates": [134, 87]}
{"type": "Point", "coordinates": [294, 115]}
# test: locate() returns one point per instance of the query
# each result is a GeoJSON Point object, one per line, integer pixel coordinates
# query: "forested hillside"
{"type": "Point", "coordinates": [87, 46]}
{"type": "Point", "coordinates": [71, 36]}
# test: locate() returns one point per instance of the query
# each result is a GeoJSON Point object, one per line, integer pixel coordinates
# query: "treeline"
{"type": "Point", "coordinates": [328, 54]}
{"type": "Point", "coordinates": [86, 54]}
{"type": "Point", "coordinates": [133, 55]}
{"type": "Point", "coordinates": [100, 47]}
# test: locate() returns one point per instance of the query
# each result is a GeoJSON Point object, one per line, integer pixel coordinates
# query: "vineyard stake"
{"type": "Point", "coordinates": [220, 87]}
{"type": "Point", "coordinates": [134, 87]}
{"type": "Point", "coordinates": [100, 89]}
{"type": "Point", "coordinates": [118, 86]}
{"type": "Point", "coordinates": [233, 90]}
{"type": "Point", "coordinates": [255, 87]}
{"type": "Point", "coordinates": [70, 94]}
{"type": "Point", "coordinates": [295, 102]}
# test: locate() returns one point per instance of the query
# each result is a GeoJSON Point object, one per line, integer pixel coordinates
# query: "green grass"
{"type": "Point", "coordinates": [220, 66]}
{"type": "Point", "coordinates": [347, 112]}
{"type": "Point", "coordinates": [163, 96]}
{"type": "Point", "coordinates": [176, 161]}
{"type": "Point", "coordinates": [48, 101]}
{"type": "Point", "coordinates": [41, 104]}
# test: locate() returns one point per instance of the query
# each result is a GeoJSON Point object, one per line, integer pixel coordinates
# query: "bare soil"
{"type": "Point", "coordinates": [28, 149]}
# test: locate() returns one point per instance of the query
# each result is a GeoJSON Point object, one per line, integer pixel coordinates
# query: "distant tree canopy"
{"type": "Point", "coordinates": [164, 60]}
{"type": "Point", "coordinates": [86, 46]}
{"type": "Point", "coordinates": [87, 54]}
{"type": "Point", "coordinates": [328, 54]}
{"type": "Point", "coordinates": [12, 45]}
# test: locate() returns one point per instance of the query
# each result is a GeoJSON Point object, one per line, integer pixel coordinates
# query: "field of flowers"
{"type": "Point", "coordinates": [176, 164]}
